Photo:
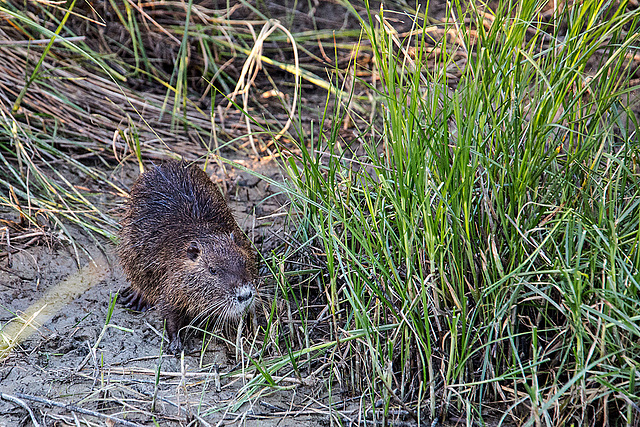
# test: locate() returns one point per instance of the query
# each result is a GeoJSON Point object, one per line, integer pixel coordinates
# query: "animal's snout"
{"type": "Point", "coordinates": [245, 295]}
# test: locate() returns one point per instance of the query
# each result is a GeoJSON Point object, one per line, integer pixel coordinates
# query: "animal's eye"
{"type": "Point", "coordinates": [193, 251]}
{"type": "Point", "coordinates": [213, 271]}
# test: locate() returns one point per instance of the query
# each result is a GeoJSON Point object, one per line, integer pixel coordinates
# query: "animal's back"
{"type": "Point", "coordinates": [168, 205]}
{"type": "Point", "coordinates": [174, 194]}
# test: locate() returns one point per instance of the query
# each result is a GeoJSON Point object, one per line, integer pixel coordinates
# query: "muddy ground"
{"type": "Point", "coordinates": [63, 361]}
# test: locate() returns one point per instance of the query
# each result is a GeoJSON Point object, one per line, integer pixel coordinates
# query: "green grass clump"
{"type": "Point", "coordinates": [482, 248]}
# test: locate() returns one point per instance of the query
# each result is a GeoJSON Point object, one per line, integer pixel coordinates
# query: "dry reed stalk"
{"type": "Point", "coordinates": [93, 108]}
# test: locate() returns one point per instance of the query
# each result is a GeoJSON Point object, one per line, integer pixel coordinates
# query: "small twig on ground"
{"type": "Point", "coordinates": [23, 404]}
{"type": "Point", "coordinates": [68, 407]}
{"type": "Point", "coordinates": [176, 405]}
{"type": "Point", "coordinates": [309, 382]}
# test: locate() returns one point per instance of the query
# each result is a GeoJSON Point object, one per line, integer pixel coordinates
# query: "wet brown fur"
{"type": "Point", "coordinates": [182, 250]}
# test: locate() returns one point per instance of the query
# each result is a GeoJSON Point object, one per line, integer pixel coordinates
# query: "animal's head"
{"type": "Point", "coordinates": [220, 276]}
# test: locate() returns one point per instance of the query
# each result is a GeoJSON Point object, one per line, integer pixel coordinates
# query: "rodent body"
{"type": "Point", "coordinates": [183, 251]}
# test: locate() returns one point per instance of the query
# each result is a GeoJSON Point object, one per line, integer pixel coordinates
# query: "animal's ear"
{"type": "Point", "coordinates": [193, 251]}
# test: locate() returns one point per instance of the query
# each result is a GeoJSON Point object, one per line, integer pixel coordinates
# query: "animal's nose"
{"type": "Point", "coordinates": [245, 295]}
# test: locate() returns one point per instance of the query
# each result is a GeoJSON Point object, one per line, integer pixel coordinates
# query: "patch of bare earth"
{"type": "Point", "coordinates": [91, 371]}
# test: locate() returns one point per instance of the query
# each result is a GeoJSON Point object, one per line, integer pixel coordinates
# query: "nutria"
{"type": "Point", "coordinates": [182, 250]}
